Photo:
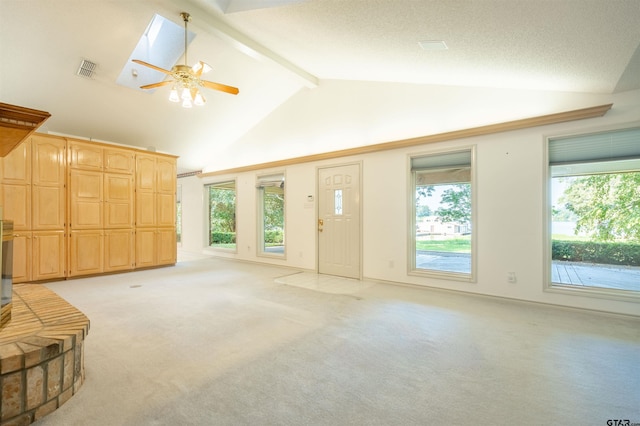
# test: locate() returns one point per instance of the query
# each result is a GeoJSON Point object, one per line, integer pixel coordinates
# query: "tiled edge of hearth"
{"type": "Point", "coordinates": [41, 355]}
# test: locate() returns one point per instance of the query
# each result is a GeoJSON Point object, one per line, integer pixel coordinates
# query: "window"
{"type": "Point", "coordinates": [271, 237]}
{"type": "Point", "coordinates": [594, 212]}
{"type": "Point", "coordinates": [442, 219]}
{"type": "Point", "coordinates": [222, 215]}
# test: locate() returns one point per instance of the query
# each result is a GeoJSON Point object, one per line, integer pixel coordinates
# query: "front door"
{"type": "Point", "coordinates": [339, 221]}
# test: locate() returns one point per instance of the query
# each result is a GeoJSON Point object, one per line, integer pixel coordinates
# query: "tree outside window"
{"type": "Point", "coordinates": [271, 201]}
{"type": "Point", "coordinates": [222, 215]}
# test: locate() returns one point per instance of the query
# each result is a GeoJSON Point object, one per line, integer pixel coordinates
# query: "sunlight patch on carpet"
{"type": "Point", "coordinates": [324, 283]}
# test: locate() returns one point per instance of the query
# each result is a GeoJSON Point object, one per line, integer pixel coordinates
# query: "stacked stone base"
{"type": "Point", "coordinates": [41, 355]}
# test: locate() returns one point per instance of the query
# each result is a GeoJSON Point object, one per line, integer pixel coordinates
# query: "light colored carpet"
{"type": "Point", "coordinates": [218, 342]}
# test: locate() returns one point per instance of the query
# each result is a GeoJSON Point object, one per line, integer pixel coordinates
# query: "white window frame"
{"type": "Point", "coordinates": [264, 181]}
{"type": "Point", "coordinates": [548, 284]}
{"type": "Point", "coordinates": [469, 277]}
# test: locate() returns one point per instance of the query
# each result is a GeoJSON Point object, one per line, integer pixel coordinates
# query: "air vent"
{"type": "Point", "coordinates": [87, 68]}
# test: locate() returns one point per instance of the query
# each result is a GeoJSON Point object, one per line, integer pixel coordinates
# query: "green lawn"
{"type": "Point", "coordinates": [453, 245]}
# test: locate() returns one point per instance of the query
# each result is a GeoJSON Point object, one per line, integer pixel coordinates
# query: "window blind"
{"type": "Point", "coordinates": [605, 146]}
{"type": "Point", "coordinates": [276, 181]}
{"type": "Point", "coordinates": [442, 161]}
{"type": "Point", "coordinates": [450, 167]}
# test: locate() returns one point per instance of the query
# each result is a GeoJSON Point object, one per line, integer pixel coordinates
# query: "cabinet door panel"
{"type": "Point", "coordinates": [119, 161]}
{"type": "Point", "coordinates": [86, 253]}
{"type": "Point", "coordinates": [48, 165]}
{"type": "Point", "coordinates": [166, 175]}
{"type": "Point", "coordinates": [85, 156]}
{"type": "Point", "coordinates": [21, 258]}
{"type": "Point", "coordinates": [167, 249]}
{"type": "Point", "coordinates": [48, 255]}
{"type": "Point", "coordinates": [166, 210]}
{"type": "Point", "coordinates": [145, 248]}
{"type": "Point", "coordinates": [145, 172]}
{"type": "Point", "coordinates": [48, 207]}
{"type": "Point", "coordinates": [16, 203]}
{"type": "Point", "coordinates": [118, 250]}
{"type": "Point", "coordinates": [118, 197]}
{"type": "Point", "coordinates": [145, 209]}
{"type": "Point", "coordinates": [86, 200]}
{"type": "Point", "coordinates": [17, 165]}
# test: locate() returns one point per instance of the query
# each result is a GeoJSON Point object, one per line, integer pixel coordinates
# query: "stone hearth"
{"type": "Point", "coordinates": [41, 355]}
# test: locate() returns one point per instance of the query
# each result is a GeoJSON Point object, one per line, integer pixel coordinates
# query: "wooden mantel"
{"type": "Point", "coordinates": [16, 124]}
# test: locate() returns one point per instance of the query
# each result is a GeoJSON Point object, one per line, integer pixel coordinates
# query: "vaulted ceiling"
{"type": "Point", "coordinates": [356, 58]}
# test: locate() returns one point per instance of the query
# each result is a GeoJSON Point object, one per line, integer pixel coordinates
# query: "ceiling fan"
{"type": "Point", "coordinates": [186, 80]}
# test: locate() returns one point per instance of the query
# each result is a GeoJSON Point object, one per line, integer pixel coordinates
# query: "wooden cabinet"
{"type": "Point", "coordinates": [145, 247]}
{"type": "Point", "coordinates": [118, 250]}
{"type": "Point", "coordinates": [16, 186]}
{"type": "Point", "coordinates": [166, 175]}
{"type": "Point", "coordinates": [166, 246]}
{"type": "Point", "coordinates": [119, 161]}
{"type": "Point", "coordinates": [21, 257]}
{"type": "Point", "coordinates": [34, 197]}
{"type": "Point", "coordinates": [155, 246]}
{"type": "Point", "coordinates": [145, 172]}
{"type": "Point", "coordinates": [84, 208]}
{"type": "Point", "coordinates": [86, 252]}
{"type": "Point", "coordinates": [49, 255]}
{"type": "Point", "coordinates": [155, 191]}
{"type": "Point", "coordinates": [145, 209]}
{"type": "Point", "coordinates": [118, 200]}
{"type": "Point", "coordinates": [165, 209]}
{"type": "Point", "coordinates": [85, 156]}
{"type": "Point", "coordinates": [86, 196]}
{"type": "Point", "coordinates": [155, 210]}
{"type": "Point", "coordinates": [38, 256]}
{"type": "Point", "coordinates": [16, 205]}
{"type": "Point", "coordinates": [48, 192]}
{"type": "Point", "coordinates": [17, 165]}
{"type": "Point", "coordinates": [48, 161]}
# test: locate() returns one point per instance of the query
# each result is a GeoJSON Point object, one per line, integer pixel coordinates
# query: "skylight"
{"type": "Point", "coordinates": [161, 44]}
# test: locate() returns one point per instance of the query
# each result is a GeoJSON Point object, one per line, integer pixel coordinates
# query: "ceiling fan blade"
{"type": "Point", "coordinates": [158, 84]}
{"type": "Point", "coordinates": [220, 87]}
{"type": "Point", "coordinates": [146, 64]}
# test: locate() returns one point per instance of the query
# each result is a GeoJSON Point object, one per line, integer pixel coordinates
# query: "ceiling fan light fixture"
{"type": "Point", "coordinates": [186, 79]}
{"type": "Point", "coordinates": [199, 100]}
{"type": "Point", "coordinates": [173, 95]}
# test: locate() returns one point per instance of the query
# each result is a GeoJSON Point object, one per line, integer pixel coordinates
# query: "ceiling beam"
{"type": "Point", "coordinates": [250, 47]}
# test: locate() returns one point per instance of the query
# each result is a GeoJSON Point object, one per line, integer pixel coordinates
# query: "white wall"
{"type": "Point", "coordinates": [509, 222]}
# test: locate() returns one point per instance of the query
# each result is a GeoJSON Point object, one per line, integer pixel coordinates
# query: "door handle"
{"type": "Point", "coordinates": [320, 224]}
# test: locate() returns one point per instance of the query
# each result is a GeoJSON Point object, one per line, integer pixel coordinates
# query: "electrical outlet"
{"type": "Point", "coordinates": [511, 277]}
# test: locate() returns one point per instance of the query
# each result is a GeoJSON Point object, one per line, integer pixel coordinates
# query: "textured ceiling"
{"type": "Point", "coordinates": [273, 53]}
